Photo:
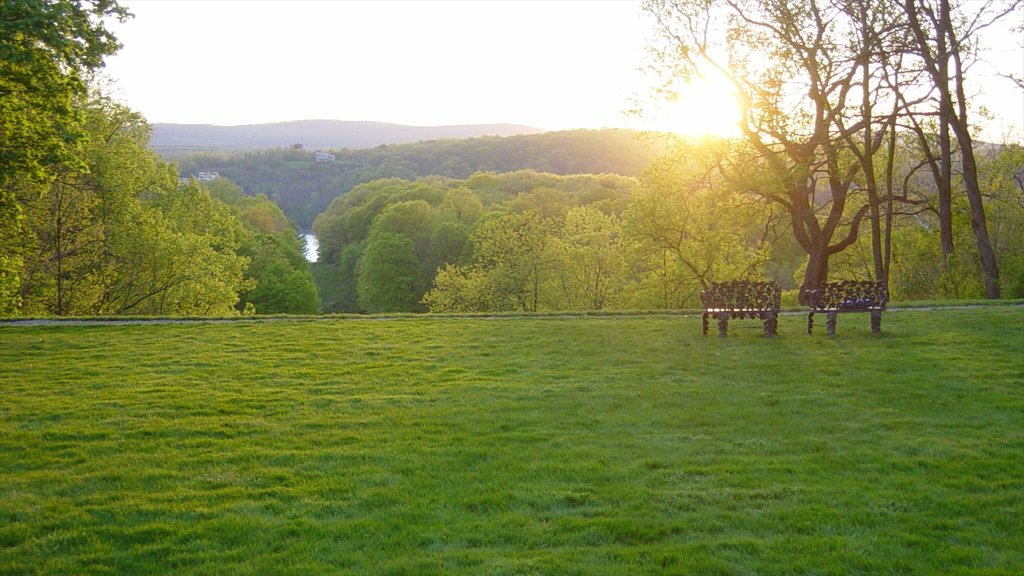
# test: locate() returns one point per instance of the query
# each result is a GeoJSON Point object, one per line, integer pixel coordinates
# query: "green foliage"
{"type": "Point", "coordinates": [921, 272]}
{"type": "Point", "coordinates": [388, 275]}
{"type": "Point", "coordinates": [281, 289]}
{"type": "Point", "coordinates": [450, 243]}
{"type": "Point", "coordinates": [47, 49]}
{"type": "Point", "coordinates": [443, 219]}
{"type": "Point", "coordinates": [347, 277]}
{"type": "Point", "coordinates": [279, 280]}
{"type": "Point", "coordinates": [1001, 175]}
{"type": "Point", "coordinates": [461, 205]}
{"type": "Point", "coordinates": [304, 188]}
{"type": "Point", "coordinates": [122, 237]}
{"type": "Point", "coordinates": [568, 445]}
{"type": "Point", "coordinates": [413, 219]}
{"type": "Point", "coordinates": [165, 269]}
{"type": "Point", "coordinates": [593, 259]}
{"type": "Point", "coordinates": [687, 210]}
{"type": "Point", "coordinates": [510, 265]}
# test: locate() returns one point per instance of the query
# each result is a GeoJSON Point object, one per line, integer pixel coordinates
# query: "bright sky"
{"type": "Point", "coordinates": [553, 65]}
{"type": "Point", "coordinates": [550, 64]}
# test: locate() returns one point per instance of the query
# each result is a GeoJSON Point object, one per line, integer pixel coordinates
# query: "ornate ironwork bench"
{"type": "Point", "coordinates": [848, 296]}
{"type": "Point", "coordinates": [742, 299]}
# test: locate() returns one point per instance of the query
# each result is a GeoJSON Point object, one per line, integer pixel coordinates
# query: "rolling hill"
{"type": "Point", "coordinates": [175, 140]}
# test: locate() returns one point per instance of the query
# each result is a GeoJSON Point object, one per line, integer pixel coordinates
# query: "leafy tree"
{"type": "Point", "coordinates": [943, 32]}
{"type": "Point", "coordinates": [593, 259]}
{"type": "Point", "coordinates": [181, 258]}
{"type": "Point", "coordinates": [65, 250]}
{"type": "Point", "coordinates": [121, 236]}
{"type": "Point", "coordinates": [511, 262]}
{"type": "Point", "coordinates": [47, 50]}
{"type": "Point", "coordinates": [413, 219]}
{"type": "Point", "coordinates": [796, 74]}
{"type": "Point", "coordinates": [450, 243]}
{"type": "Point", "coordinates": [462, 289]}
{"type": "Point", "coordinates": [282, 289]}
{"type": "Point", "coordinates": [347, 277]}
{"type": "Point", "coordinates": [227, 192]}
{"type": "Point", "coordinates": [73, 219]}
{"type": "Point", "coordinates": [686, 208]}
{"type": "Point", "coordinates": [388, 273]}
{"type": "Point", "coordinates": [461, 205]}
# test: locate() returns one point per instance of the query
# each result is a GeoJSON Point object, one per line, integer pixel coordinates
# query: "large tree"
{"type": "Point", "coordinates": [690, 207]}
{"type": "Point", "coordinates": [796, 75]}
{"type": "Point", "coordinates": [48, 48]}
{"type": "Point", "coordinates": [388, 273]}
{"type": "Point", "coordinates": [944, 37]}
{"type": "Point", "coordinates": [824, 87]}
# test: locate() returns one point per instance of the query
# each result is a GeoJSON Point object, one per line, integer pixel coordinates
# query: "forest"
{"type": "Point", "coordinates": [303, 188]}
{"type": "Point", "coordinates": [858, 159]}
{"type": "Point", "coordinates": [528, 241]}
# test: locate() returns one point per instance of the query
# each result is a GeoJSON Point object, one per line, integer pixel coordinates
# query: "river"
{"type": "Point", "coordinates": [311, 247]}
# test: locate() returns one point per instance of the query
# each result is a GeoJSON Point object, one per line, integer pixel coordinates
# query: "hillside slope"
{"type": "Point", "coordinates": [175, 140]}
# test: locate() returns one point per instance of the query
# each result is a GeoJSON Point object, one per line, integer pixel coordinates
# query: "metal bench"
{"type": "Point", "coordinates": [836, 298]}
{"type": "Point", "coordinates": [740, 299]}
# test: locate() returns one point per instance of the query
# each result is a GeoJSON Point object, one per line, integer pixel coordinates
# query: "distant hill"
{"type": "Point", "coordinates": [175, 140]}
{"type": "Point", "coordinates": [303, 187]}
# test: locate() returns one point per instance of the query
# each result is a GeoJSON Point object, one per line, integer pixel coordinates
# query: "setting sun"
{"type": "Point", "coordinates": [705, 106]}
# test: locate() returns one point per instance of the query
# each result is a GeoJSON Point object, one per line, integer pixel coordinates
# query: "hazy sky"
{"type": "Point", "coordinates": [550, 64]}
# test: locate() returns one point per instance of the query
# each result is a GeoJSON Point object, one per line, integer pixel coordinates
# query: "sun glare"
{"type": "Point", "coordinates": [704, 107]}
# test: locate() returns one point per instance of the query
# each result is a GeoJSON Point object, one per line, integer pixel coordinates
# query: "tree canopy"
{"type": "Point", "coordinates": [47, 52]}
{"type": "Point", "coordinates": [826, 89]}
{"type": "Point", "coordinates": [304, 188]}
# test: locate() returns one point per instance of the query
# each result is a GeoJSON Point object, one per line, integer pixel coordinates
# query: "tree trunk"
{"type": "Point", "coordinates": [953, 116]}
{"type": "Point", "coordinates": [816, 273]}
{"type": "Point", "coordinates": [945, 182]}
{"type": "Point", "coordinates": [957, 120]}
{"type": "Point", "coordinates": [978, 223]}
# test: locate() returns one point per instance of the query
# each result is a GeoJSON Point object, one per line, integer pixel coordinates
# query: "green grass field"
{"type": "Point", "coordinates": [579, 445]}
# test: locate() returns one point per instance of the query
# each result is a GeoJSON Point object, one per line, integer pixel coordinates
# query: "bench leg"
{"type": "Point", "coordinates": [830, 324]}
{"type": "Point", "coordinates": [810, 322]}
{"type": "Point", "coordinates": [704, 323]}
{"type": "Point", "coordinates": [723, 324]}
{"type": "Point", "coordinates": [876, 321]}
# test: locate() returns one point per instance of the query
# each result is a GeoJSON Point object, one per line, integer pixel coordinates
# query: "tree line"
{"type": "Point", "coordinates": [832, 95]}
{"type": "Point", "coordinates": [531, 241]}
{"type": "Point", "coordinates": [119, 233]}
{"type": "Point", "coordinates": [304, 188]}
{"type": "Point", "coordinates": [91, 221]}
{"type": "Point", "coordinates": [857, 160]}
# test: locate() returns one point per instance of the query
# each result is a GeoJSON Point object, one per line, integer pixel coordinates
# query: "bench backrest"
{"type": "Point", "coordinates": [742, 295]}
{"type": "Point", "coordinates": [850, 295]}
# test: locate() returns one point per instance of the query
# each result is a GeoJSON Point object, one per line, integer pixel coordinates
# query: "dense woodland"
{"type": "Point", "coordinates": [529, 241]}
{"type": "Point", "coordinates": [857, 160]}
{"type": "Point", "coordinates": [303, 187]}
{"type": "Point", "coordinates": [120, 234]}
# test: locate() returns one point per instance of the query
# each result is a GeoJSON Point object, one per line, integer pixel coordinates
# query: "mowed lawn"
{"type": "Point", "coordinates": [564, 445]}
